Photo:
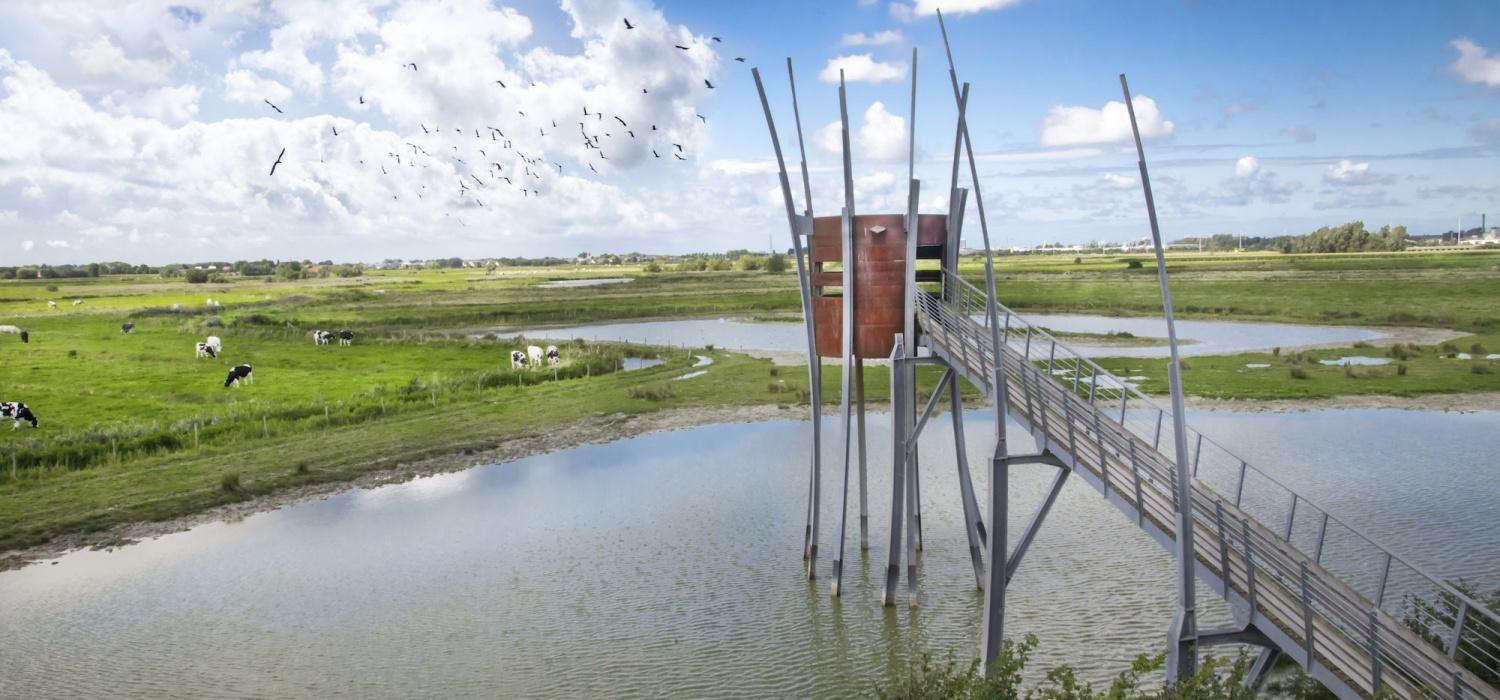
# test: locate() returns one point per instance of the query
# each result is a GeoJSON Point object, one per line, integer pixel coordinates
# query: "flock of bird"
{"type": "Point", "coordinates": [596, 130]}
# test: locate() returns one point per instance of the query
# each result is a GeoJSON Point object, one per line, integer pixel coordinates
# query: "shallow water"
{"type": "Point", "coordinates": [1210, 337]}
{"type": "Point", "coordinates": [630, 364]}
{"type": "Point", "coordinates": [669, 565]}
{"type": "Point", "coordinates": [593, 282]}
{"type": "Point", "coordinates": [1357, 360]}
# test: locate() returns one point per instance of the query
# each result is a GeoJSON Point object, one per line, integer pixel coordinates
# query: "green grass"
{"type": "Point", "coordinates": [134, 428]}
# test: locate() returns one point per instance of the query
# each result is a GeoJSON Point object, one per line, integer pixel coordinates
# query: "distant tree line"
{"type": "Point", "coordinates": [1352, 237]}
{"type": "Point", "coordinates": [68, 271]}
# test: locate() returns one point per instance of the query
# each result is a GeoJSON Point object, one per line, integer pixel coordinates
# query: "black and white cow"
{"type": "Point", "coordinates": [204, 350]}
{"type": "Point", "coordinates": [517, 359]}
{"type": "Point", "coordinates": [17, 412]}
{"type": "Point", "coordinates": [14, 330]}
{"type": "Point", "coordinates": [127, 327]}
{"type": "Point", "coordinates": [322, 337]}
{"type": "Point", "coordinates": [552, 357]}
{"type": "Point", "coordinates": [346, 337]}
{"type": "Point", "coordinates": [238, 374]}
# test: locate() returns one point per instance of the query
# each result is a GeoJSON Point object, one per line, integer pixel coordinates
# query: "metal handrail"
{"type": "Point", "coordinates": [1061, 361]}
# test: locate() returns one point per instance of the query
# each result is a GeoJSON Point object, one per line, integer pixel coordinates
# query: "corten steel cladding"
{"type": "Point", "coordinates": [879, 279]}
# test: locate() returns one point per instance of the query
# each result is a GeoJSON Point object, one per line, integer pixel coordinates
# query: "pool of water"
{"type": "Point", "coordinates": [630, 364]}
{"type": "Point", "coordinates": [594, 282]}
{"type": "Point", "coordinates": [1356, 360]}
{"type": "Point", "coordinates": [1209, 337]}
{"type": "Point", "coordinates": [669, 565]}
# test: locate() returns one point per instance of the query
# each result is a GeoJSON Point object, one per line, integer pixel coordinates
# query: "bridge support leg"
{"type": "Point", "coordinates": [973, 527]}
{"type": "Point", "coordinates": [913, 514]}
{"type": "Point", "coordinates": [994, 588]}
{"type": "Point", "coordinates": [864, 492]}
{"type": "Point", "coordinates": [898, 474]}
{"type": "Point", "coordinates": [1260, 671]}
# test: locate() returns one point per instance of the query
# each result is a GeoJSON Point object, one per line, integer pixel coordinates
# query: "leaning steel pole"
{"type": "Point", "coordinates": [810, 542]}
{"type": "Point", "coordinates": [1183, 636]}
{"type": "Point", "coordinates": [814, 365]}
{"type": "Point", "coordinates": [849, 347]}
{"type": "Point", "coordinates": [994, 590]}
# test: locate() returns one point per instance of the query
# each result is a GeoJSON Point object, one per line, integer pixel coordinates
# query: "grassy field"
{"type": "Point", "coordinates": [134, 428]}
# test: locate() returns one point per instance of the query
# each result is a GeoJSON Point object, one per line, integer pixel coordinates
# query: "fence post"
{"type": "Point", "coordinates": [195, 434]}
{"type": "Point", "coordinates": [1458, 628]}
{"type": "Point", "coordinates": [1197, 455]}
{"type": "Point", "coordinates": [1156, 441]}
{"type": "Point", "coordinates": [1291, 515]}
{"type": "Point", "coordinates": [1385, 575]}
{"type": "Point", "coordinates": [1239, 491]}
{"type": "Point", "coordinates": [1307, 621]}
{"type": "Point", "coordinates": [1322, 532]}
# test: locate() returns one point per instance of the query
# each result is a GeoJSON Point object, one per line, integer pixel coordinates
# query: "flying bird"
{"type": "Point", "coordinates": [361, 99]}
{"type": "Point", "coordinates": [710, 85]}
{"type": "Point", "coordinates": [654, 153]}
{"type": "Point", "coordinates": [716, 38]}
{"type": "Point", "coordinates": [622, 121]}
{"type": "Point", "coordinates": [741, 59]}
{"type": "Point", "coordinates": [680, 46]}
{"type": "Point", "coordinates": [628, 25]}
{"type": "Point", "coordinates": [591, 167]}
{"type": "Point", "coordinates": [679, 147]}
{"type": "Point", "coordinates": [412, 66]}
{"type": "Point", "coordinates": [500, 83]}
{"type": "Point", "coordinates": [674, 155]}
{"type": "Point", "coordinates": [278, 109]}
{"type": "Point", "coordinates": [705, 119]}
{"type": "Point", "coordinates": [335, 130]}
{"type": "Point", "coordinates": [278, 162]}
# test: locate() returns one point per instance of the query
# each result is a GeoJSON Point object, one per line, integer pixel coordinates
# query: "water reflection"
{"type": "Point", "coordinates": [669, 565]}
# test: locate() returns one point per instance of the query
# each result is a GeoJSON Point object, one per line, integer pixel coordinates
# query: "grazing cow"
{"type": "Point", "coordinates": [517, 359]}
{"type": "Point", "coordinates": [17, 412]}
{"type": "Point", "coordinates": [13, 330]}
{"type": "Point", "coordinates": [346, 337]}
{"type": "Point", "coordinates": [238, 374]}
{"type": "Point", "coordinates": [51, 304]}
{"type": "Point", "coordinates": [78, 302]}
{"type": "Point", "coordinates": [214, 342]}
{"type": "Point", "coordinates": [127, 327]}
{"type": "Point", "coordinates": [552, 356]}
{"type": "Point", "coordinates": [205, 350]}
{"type": "Point", "coordinates": [322, 337]}
{"type": "Point", "coordinates": [534, 356]}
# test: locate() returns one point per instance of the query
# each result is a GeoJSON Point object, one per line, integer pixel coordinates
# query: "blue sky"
{"type": "Point", "coordinates": [139, 131]}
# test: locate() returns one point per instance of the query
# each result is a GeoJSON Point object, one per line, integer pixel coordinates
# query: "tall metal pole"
{"type": "Point", "coordinates": [994, 590]}
{"type": "Point", "coordinates": [809, 538]}
{"type": "Point", "coordinates": [848, 257]}
{"type": "Point", "coordinates": [1183, 636]}
{"type": "Point", "coordinates": [909, 332]}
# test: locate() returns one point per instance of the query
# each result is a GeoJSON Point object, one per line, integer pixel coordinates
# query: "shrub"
{"type": "Point", "coordinates": [196, 276]}
{"type": "Point", "coordinates": [1477, 349]}
{"type": "Point", "coordinates": [1450, 348]}
{"type": "Point", "coordinates": [1400, 370]}
{"type": "Point", "coordinates": [775, 371]}
{"type": "Point", "coordinates": [1076, 261]}
{"type": "Point", "coordinates": [650, 393]}
{"type": "Point", "coordinates": [230, 483]}
{"type": "Point", "coordinates": [213, 322]}
{"type": "Point", "coordinates": [776, 264]}
{"type": "Point", "coordinates": [1132, 264]}
{"type": "Point", "coordinates": [1275, 352]}
{"type": "Point", "coordinates": [1398, 352]}
{"type": "Point", "coordinates": [51, 287]}
{"type": "Point", "coordinates": [653, 266]}
{"type": "Point", "coordinates": [1299, 373]}
{"type": "Point", "coordinates": [1363, 344]}
{"type": "Point", "coordinates": [1481, 368]}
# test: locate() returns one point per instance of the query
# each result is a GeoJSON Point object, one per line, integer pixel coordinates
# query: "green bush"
{"type": "Point", "coordinates": [196, 276]}
{"type": "Point", "coordinates": [776, 264]}
{"type": "Point", "coordinates": [1401, 370]}
{"type": "Point", "coordinates": [1132, 264]}
{"type": "Point", "coordinates": [1299, 373]}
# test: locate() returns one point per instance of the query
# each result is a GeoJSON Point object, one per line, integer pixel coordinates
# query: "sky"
{"type": "Point", "coordinates": [143, 130]}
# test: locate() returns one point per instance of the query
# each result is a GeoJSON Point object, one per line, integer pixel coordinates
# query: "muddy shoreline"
{"type": "Point", "coordinates": [603, 429]}
{"type": "Point", "coordinates": [589, 431]}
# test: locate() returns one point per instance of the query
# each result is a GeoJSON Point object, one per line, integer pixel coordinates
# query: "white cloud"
{"type": "Point", "coordinates": [1349, 173]}
{"type": "Point", "coordinates": [861, 68]}
{"type": "Point", "coordinates": [888, 37]}
{"type": "Point", "coordinates": [1300, 134]}
{"type": "Point", "coordinates": [245, 87]}
{"type": "Point", "coordinates": [1475, 64]}
{"type": "Point", "coordinates": [100, 58]}
{"type": "Point", "coordinates": [28, 245]}
{"type": "Point", "coordinates": [172, 104]}
{"type": "Point", "coordinates": [1067, 126]}
{"type": "Point", "coordinates": [1251, 183]}
{"type": "Point", "coordinates": [1246, 167]}
{"type": "Point", "coordinates": [1117, 181]}
{"type": "Point", "coordinates": [1039, 156]}
{"type": "Point", "coordinates": [924, 8]}
{"type": "Point", "coordinates": [57, 244]}
{"type": "Point", "coordinates": [9, 216]}
{"type": "Point", "coordinates": [745, 167]}
{"type": "Point", "coordinates": [882, 136]}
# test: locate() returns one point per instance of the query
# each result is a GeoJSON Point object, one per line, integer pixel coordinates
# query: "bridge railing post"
{"type": "Point", "coordinates": [1239, 491]}
{"type": "Point", "coordinates": [1307, 617]}
{"type": "Point", "coordinates": [1291, 515]}
{"type": "Point", "coordinates": [1249, 565]}
{"type": "Point", "coordinates": [1322, 534]}
{"type": "Point", "coordinates": [1458, 629]}
{"type": "Point", "coordinates": [1385, 576]}
{"type": "Point", "coordinates": [1223, 544]}
{"type": "Point", "coordinates": [1374, 653]}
